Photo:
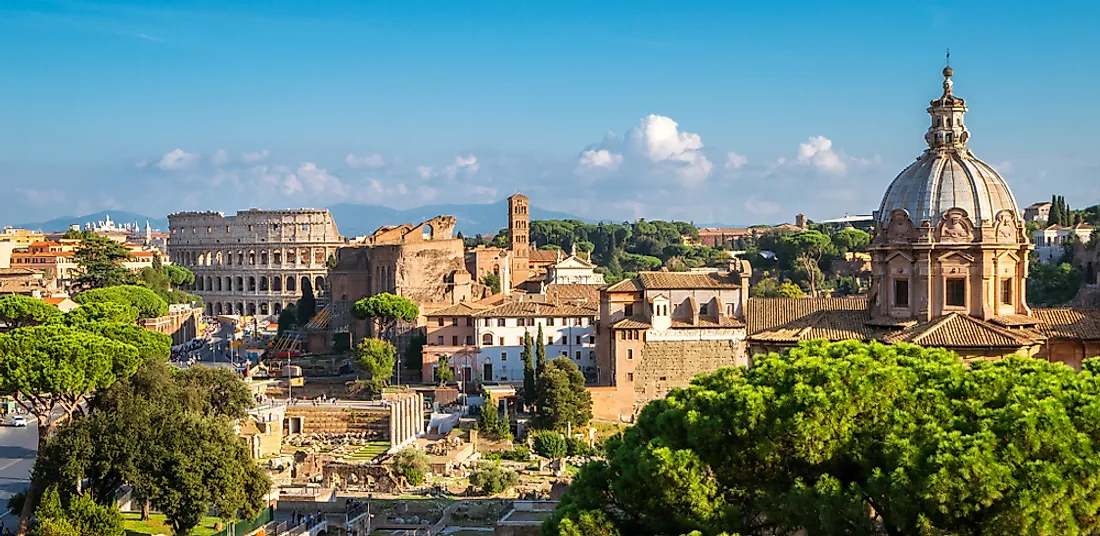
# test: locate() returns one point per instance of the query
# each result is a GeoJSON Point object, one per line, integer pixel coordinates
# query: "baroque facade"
{"type": "Point", "coordinates": [949, 267]}
{"type": "Point", "coordinates": [255, 262]}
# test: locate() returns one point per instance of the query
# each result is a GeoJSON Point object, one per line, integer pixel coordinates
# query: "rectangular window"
{"type": "Point", "coordinates": [630, 353]}
{"type": "Point", "coordinates": [578, 339]}
{"type": "Point", "coordinates": [901, 293]}
{"type": "Point", "coordinates": [454, 340]}
{"type": "Point", "coordinates": [439, 341]}
{"type": "Point", "coordinates": [500, 322]}
{"type": "Point", "coordinates": [504, 356]}
{"type": "Point", "coordinates": [502, 341]}
{"type": "Point", "coordinates": [469, 340]}
{"type": "Point", "coordinates": [622, 335]}
{"type": "Point", "coordinates": [549, 322]}
{"type": "Point", "coordinates": [469, 321]}
{"type": "Point", "coordinates": [578, 356]}
{"type": "Point", "coordinates": [519, 341]}
{"type": "Point", "coordinates": [454, 320]}
{"type": "Point", "coordinates": [1006, 291]}
{"type": "Point", "coordinates": [956, 292]}
{"type": "Point", "coordinates": [629, 376]}
{"type": "Point", "coordinates": [591, 339]}
{"type": "Point", "coordinates": [440, 321]}
{"type": "Point", "coordinates": [629, 309]}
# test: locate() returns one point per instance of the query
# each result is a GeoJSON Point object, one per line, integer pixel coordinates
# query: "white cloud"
{"type": "Point", "coordinates": [735, 161]}
{"type": "Point", "coordinates": [251, 158]}
{"type": "Point", "coordinates": [760, 207]}
{"type": "Point", "coordinates": [818, 152]}
{"type": "Point", "coordinates": [371, 161]}
{"type": "Point", "coordinates": [178, 159]}
{"type": "Point", "coordinates": [424, 171]}
{"type": "Point", "coordinates": [291, 185]}
{"type": "Point", "coordinates": [600, 158]}
{"type": "Point", "coordinates": [427, 193]}
{"type": "Point", "coordinates": [376, 185]}
{"type": "Point", "coordinates": [41, 198]}
{"type": "Point", "coordinates": [402, 189]}
{"type": "Point", "coordinates": [318, 180]}
{"type": "Point", "coordinates": [219, 158]}
{"type": "Point", "coordinates": [466, 164]}
{"type": "Point", "coordinates": [656, 149]}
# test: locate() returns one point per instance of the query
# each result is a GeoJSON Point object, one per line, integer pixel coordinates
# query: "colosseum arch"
{"type": "Point", "coordinates": [240, 284]}
{"type": "Point", "coordinates": [264, 310]}
{"type": "Point", "coordinates": [252, 257]}
{"type": "Point", "coordinates": [252, 309]}
{"type": "Point", "coordinates": [277, 283]}
{"type": "Point", "coordinates": [198, 283]}
{"type": "Point", "coordinates": [240, 308]}
{"type": "Point", "coordinates": [218, 258]}
{"type": "Point", "coordinates": [240, 258]}
{"type": "Point", "coordinates": [209, 309]}
{"type": "Point", "coordinates": [263, 257]}
{"type": "Point", "coordinates": [319, 284]}
{"type": "Point", "coordinates": [210, 282]}
{"type": "Point", "coordinates": [305, 281]}
{"type": "Point", "coordinates": [263, 283]}
{"type": "Point", "coordinates": [252, 283]}
{"type": "Point", "coordinates": [278, 307]}
{"type": "Point", "coordinates": [291, 284]}
{"type": "Point", "coordinates": [218, 309]}
{"type": "Point", "coordinates": [277, 256]}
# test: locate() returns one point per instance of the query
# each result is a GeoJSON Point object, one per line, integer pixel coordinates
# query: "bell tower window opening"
{"type": "Point", "coordinates": [1006, 291]}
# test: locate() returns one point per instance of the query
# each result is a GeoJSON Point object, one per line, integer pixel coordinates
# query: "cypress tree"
{"type": "Point", "coordinates": [1053, 218]}
{"type": "Point", "coordinates": [540, 353]}
{"type": "Point", "coordinates": [307, 304]}
{"type": "Point", "coordinates": [527, 355]}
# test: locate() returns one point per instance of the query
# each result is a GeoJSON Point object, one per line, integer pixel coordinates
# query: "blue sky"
{"type": "Point", "coordinates": [606, 110]}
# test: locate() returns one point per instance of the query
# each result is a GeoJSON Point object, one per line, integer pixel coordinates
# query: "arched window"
{"type": "Point", "coordinates": [263, 282]}
{"type": "Point", "coordinates": [291, 284]}
{"type": "Point", "coordinates": [487, 339]}
{"type": "Point", "coordinates": [277, 284]}
{"type": "Point", "coordinates": [251, 283]}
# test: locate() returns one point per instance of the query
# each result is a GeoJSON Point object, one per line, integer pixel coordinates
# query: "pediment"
{"type": "Point", "coordinates": [1011, 255]}
{"type": "Point", "coordinates": [894, 254]}
{"type": "Point", "coordinates": [573, 262]}
{"type": "Point", "coordinates": [956, 257]}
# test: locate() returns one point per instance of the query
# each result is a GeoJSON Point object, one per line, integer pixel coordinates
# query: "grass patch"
{"type": "Point", "coordinates": [134, 526]}
{"type": "Point", "coordinates": [369, 451]}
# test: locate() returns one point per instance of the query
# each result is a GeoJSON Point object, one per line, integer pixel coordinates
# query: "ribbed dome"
{"type": "Point", "coordinates": [947, 175]}
{"type": "Point", "coordinates": [940, 180]}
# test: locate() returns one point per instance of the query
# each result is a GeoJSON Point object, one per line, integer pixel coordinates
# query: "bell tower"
{"type": "Point", "coordinates": [518, 230]}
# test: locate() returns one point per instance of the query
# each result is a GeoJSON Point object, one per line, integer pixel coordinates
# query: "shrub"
{"type": "Point", "coordinates": [576, 446]}
{"type": "Point", "coordinates": [550, 444]}
{"type": "Point", "coordinates": [492, 478]}
{"type": "Point", "coordinates": [413, 464]}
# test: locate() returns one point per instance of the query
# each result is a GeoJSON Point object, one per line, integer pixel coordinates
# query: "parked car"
{"type": "Point", "coordinates": [19, 420]}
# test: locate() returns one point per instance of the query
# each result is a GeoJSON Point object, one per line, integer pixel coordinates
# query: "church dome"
{"type": "Point", "coordinates": [947, 174]}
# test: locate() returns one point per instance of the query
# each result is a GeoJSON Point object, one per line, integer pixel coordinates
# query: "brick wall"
{"type": "Point", "coordinates": [181, 326]}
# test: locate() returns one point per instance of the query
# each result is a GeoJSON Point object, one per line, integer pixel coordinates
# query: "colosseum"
{"type": "Point", "coordinates": [257, 261]}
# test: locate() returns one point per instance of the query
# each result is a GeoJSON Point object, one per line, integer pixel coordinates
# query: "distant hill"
{"type": "Point", "coordinates": [120, 217]}
{"type": "Point", "coordinates": [472, 219]}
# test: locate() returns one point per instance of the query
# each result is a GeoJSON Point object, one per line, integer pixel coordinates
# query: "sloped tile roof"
{"type": "Point", "coordinates": [833, 325]}
{"type": "Point", "coordinates": [727, 322]}
{"type": "Point", "coordinates": [626, 285]}
{"type": "Point", "coordinates": [767, 313]}
{"type": "Point", "coordinates": [688, 280]}
{"type": "Point", "coordinates": [561, 292]}
{"type": "Point", "coordinates": [1065, 323]}
{"type": "Point", "coordinates": [1011, 321]}
{"type": "Point", "coordinates": [543, 255]}
{"type": "Point", "coordinates": [538, 310]}
{"type": "Point", "coordinates": [458, 309]}
{"type": "Point", "coordinates": [633, 322]}
{"type": "Point", "coordinates": [957, 330]}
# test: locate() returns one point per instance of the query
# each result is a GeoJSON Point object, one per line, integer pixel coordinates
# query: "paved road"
{"type": "Point", "coordinates": [18, 447]}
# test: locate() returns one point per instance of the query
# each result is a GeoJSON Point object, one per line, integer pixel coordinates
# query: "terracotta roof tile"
{"type": "Point", "coordinates": [544, 255]}
{"type": "Point", "coordinates": [832, 325]}
{"type": "Point", "coordinates": [633, 322]}
{"type": "Point", "coordinates": [767, 313]}
{"type": "Point", "coordinates": [626, 285]}
{"type": "Point", "coordinates": [562, 292]}
{"type": "Point", "coordinates": [1065, 323]}
{"type": "Point", "coordinates": [688, 280]}
{"type": "Point", "coordinates": [962, 331]}
{"type": "Point", "coordinates": [1012, 321]}
{"type": "Point", "coordinates": [458, 309]}
{"type": "Point", "coordinates": [538, 310]}
{"type": "Point", "coordinates": [727, 322]}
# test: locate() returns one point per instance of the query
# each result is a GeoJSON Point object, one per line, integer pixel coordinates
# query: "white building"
{"type": "Point", "coordinates": [568, 329]}
{"type": "Point", "coordinates": [573, 270]}
{"type": "Point", "coordinates": [1050, 242]}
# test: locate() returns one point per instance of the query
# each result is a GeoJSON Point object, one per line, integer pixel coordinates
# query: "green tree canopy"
{"type": "Point", "coordinates": [444, 371]}
{"type": "Point", "coordinates": [550, 444]}
{"type": "Point", "coordinates": [854, 438]}
{"type": "Point", "coordinates": [100, 260]}
{"type": "Point", "coordinates": [1053, 284]}
{"type": "Point", "coordinates": [562, 398]}
{"type": "Point", "coordinates": [377, 358]}
{"type": "Point", "coordinates": [491, 478]}
{"type": "Point", "coordinates": [105, 311]}
{"type": "Point", "coordinates": [851, 240]}
{"type": "Point", "coordinates": [386, 308]}
{"type": "Point", "coordinates": [809, 246]}
{"type": "Point", "coordinates": [527, 356]}
{"type": "Point", "coordinates": [179, 275]}
{"type": "Point", "coordinates": [540, 354]}
{"type": "Point", "coordinates": [412, 463]}
{"type": "Point", "coordinates": [79, 515]}
{"type": "Point", "coordinates": [21, 311]}
{"type": "Point", "coordinates": [51, 370]}
{"type": "Point", "coordinates": [149, 344]}
{"type": "Point", "coordinates": [144, 300]}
